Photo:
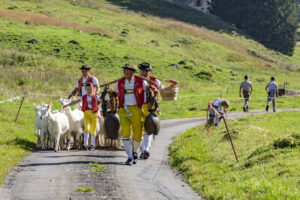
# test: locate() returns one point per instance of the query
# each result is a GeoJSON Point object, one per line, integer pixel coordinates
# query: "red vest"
{"type": "Point", "coordinates": [138, 91]}
{"type": "Point", "coordinates": [152, 78]}
{"type": "Point", "coordinates": [80, 84]}
{"type": "Point", "coordinates": [85, 104]}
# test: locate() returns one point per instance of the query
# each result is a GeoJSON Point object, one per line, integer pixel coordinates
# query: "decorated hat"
{"type": "Point", "coordinates": [130, 67]}
{"type": "Point", "coordinates": [85, 67]}
{"type": "Point", "coordinates": [145, 66]}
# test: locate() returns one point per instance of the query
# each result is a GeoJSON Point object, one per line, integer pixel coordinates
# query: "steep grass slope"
{"type": "Point", "coordinates": [202, 52]}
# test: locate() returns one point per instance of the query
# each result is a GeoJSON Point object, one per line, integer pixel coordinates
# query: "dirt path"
{"type": "Point", "coordinates": [48, 175]}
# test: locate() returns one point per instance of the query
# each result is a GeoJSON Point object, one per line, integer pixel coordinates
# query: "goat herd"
{"type": "Point", "coordinates": [56, 129]}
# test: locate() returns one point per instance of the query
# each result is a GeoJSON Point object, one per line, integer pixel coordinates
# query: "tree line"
{"type": "Point", "coordinates": [273, 23]}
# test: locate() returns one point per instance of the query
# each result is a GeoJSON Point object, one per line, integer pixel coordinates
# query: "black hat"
{"type": "Point", "coordinates": [85, 67]}
{"type": "Point", "coordinates": [130, 67]}
{"type": "Point", "coordinates": [145, 66]}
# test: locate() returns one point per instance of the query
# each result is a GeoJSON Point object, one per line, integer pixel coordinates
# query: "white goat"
{"type": "Point", "coordinates": [37, 125]}
{"type": "Point", "coordinates": [76, 122]}
{"type": "Point", "coordinates": [58, 127]}
{"type": "Point", "coordinates": [41, 127]}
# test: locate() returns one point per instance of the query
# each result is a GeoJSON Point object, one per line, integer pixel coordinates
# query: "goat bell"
{"type": "Point", "coordinates": [112, 126]}
{"type": "Point", "coordinates": [152, 124]}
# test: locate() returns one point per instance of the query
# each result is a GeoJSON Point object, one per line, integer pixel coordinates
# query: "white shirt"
{"type": "Point", "coordinates": [84, 79]}
{"type": "Point", "coordinates": [89, 100]}
{"type": "Point", "coordinates": [158, 85]}
{"type": "Point", "coordinates": [129, 99]}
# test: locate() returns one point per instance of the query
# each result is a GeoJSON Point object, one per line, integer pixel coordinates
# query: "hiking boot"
{"type": "Point", "coordinates": [244, 109]}
{"type": "Point", "coordinates": [128, 161]}
{"type": "Point", "coordinates": [92, 148]}
{"type": "Point", "coordinates": [135, 157]}
{"type": "Point", "coordinates": [267, 108]}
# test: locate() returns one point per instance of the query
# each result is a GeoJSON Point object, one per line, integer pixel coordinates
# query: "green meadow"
{"type": "Point", "coordinates": [202, 52]}
{"type": "Point", "coordinates": [267, 146]}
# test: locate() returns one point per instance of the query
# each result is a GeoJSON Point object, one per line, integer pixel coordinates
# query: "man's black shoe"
{"type": "Point", "coordinates": [267, 108]}
{"type": "Point", "coordinates": [146, 155]}
{"type": "Point", "coordinates": [244, 109]}
{"type": "Point", "coordinates": [135, 157]}
{"type": "Point", "coordinates": [85, 147]}
{"type": "Point", "coordinates": [142, 156]}
{"type": "Point", "coordinates": [128, 161]}
{"type": "Point", "coordinates": [274, 110]}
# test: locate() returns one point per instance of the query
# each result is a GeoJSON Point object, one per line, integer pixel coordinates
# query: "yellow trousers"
{"type": "Point", "coordinates": [145, 113]}
{"type": "Point", "coordinates": [90, 122]}
{"type": "Point", "coordinates": [133, 123]}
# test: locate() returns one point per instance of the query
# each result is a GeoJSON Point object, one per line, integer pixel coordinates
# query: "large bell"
{"type": "Point", "coordinates": [152, 124]}
{"type": "Point", "coordinates": [112, 126]}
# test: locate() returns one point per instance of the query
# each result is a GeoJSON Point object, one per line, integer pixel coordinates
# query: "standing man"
{"type": "Point", "coordinates": [131, 89]}
{"type": "Point", "coordinates": [247, 91]}
{"type": "Point", "coordinates": [145, 69]}
{"type": "Point", "coordinates": [272, 93]}
{"type": "Point", "coordinates": [81, 83]}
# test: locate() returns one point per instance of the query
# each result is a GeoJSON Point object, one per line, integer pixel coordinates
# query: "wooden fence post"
{"type": "Point", "coordinates": [20, 107]}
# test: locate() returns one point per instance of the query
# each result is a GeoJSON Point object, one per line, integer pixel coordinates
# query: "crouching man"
{"type": "Point", "coordinates": [90, 102]}
{"type": "Point", "coordinates": [131, 89]}
{"type": "Point", "coordinates": [217, 104]}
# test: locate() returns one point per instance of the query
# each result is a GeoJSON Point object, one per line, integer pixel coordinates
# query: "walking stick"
{"type": "Point", "coordinates": [20, 107]}
{"type": "Point", "coordinates": [169, 81]}
{"type": "Point", "coordinates": [229, 136]}
{"type": "Point", "coordinates": [109, 83]}
{"type": "Point", "coordinates": [207, 129]}
{"type": "Point", "coordinates": [105, 84]}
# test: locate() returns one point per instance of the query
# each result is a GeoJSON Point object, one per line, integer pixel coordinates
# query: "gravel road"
{"type": "Point", "coordinates": [46, 175]}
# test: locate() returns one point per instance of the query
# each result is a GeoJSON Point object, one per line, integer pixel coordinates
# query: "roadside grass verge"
{"type": "Point", "coordinates": [17, 139]}
{"type": "Point", "coordinates": [268, 166]}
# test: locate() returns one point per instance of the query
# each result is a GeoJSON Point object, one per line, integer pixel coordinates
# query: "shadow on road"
{"type": "Point", "coordinates": [89, 156]}
{"type": "Point", "coordinates": [69, 163]}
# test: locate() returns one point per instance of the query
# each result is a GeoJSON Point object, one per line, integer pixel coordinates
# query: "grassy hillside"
{"type": "Point", "coordinates": [207, 53]}
{"type": "Point", "coordinates": [268, 166]}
